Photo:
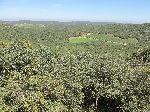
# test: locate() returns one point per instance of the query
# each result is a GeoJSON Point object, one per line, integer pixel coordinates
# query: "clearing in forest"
{"type": "Point", "coordinates": [81, 39]}
{"type": "Point", "coordinates": [105, 39]}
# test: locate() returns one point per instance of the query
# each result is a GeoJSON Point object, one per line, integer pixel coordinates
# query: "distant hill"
{"type": "Point", "coordinates": [89, 22]}
{"type": "Point", "coordinates": [54, 22]}
{"type": "Point", "coordinates": [28, 22]}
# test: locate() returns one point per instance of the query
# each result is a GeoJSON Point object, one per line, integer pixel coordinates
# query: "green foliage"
{"type": "Point", "coordinates": [142, 55]}
{"type": "Point", "coordinates": [53, 75]}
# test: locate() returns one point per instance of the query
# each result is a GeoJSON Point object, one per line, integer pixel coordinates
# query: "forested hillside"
{"type": "Point", "coordinates": [67, 67]}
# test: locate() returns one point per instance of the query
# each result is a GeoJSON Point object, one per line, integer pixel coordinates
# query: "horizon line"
{"type": "Point", "coordinates": [123, 22]}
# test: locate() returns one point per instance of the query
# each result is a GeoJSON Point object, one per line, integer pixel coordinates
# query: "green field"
{"type": "Point", "coordinates": [77, 40]}
{"type": "Point", "coordinates": [104, 45]}
{"type": "Point", "coordinates": [105, 39]}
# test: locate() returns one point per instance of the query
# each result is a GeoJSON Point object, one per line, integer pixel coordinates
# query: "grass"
{"type": "Point", "coordinates": [105, 39]}
{"type": "Point", "coordinates": [78, 40]}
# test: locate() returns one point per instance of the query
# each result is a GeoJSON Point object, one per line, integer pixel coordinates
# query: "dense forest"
{"type": "Point", "coordinates": [74, 67]}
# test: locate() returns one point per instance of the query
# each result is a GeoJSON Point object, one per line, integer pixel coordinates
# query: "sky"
{"type": "Point", "coordinates": [128, 11]}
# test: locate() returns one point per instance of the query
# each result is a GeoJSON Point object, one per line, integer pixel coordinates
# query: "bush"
{"type": "Point", "coordinates": [40, 80]}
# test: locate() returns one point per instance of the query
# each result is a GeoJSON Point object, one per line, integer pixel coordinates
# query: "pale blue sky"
{"type": "Point", "coordinates": [68, 10]}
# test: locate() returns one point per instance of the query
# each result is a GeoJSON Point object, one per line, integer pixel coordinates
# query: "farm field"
{"type": "Point", "coordinates": [103, 39]}
{"type": "Point", "coordinates": [110, 46]}
{"type": "Point", "coordinates": [53, 68]}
